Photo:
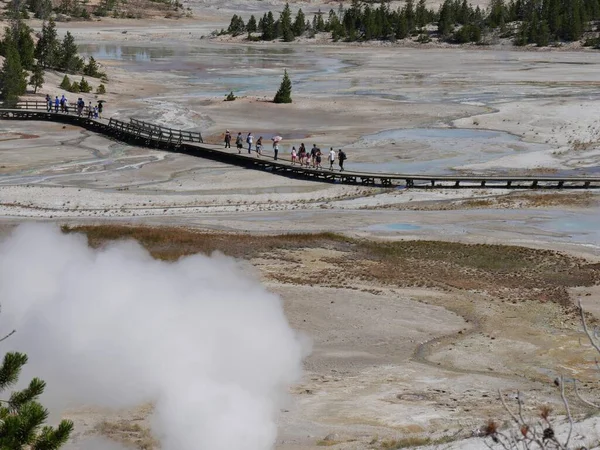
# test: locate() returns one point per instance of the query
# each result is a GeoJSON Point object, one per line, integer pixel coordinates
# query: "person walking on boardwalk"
{"type": "Point", "coordinates": [341, 158]}
{"type": "Point", "coordinates": [80, 106]}
{"type": "Point", "coordinates": [62, 103]}
{"type": "Point", "coordinates": [90, 110]}
{"type": "Point", "coordinates": [331, 157]}
{"type": "Point", "coordinates": [48, 103]}
{"type": "Point", "coordinates": [318, 158]}
{"type": "Point", "coordinates": [249, 140]}
{"type": "Point", "coordinates": [313, 154]}
{"type": "Point", "coordinates": [227, 139]}
{"type": "Point", "coordinates": [259, 146]}
{"type": "Point", "coordinates": [56, 104]}
{"type": "Point", "coordinates": [100, 108]}
{"type": "Point", "coordinates": [275, 149]}
{"type": "Point", "coordinates": [239, 142]}
{"type": "Point", "coordinates": [294, 156]}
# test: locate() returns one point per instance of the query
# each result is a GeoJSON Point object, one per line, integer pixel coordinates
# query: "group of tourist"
{"type": "Point", "coordinates": [62, 105]}
{"type": "Point", "coordinates": [302, 156]}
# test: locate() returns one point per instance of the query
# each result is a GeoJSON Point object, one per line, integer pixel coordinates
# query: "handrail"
{"type": "Point", "coordinates": [155, 136]}
{"type": "Point", "coordinates": [183, 135]}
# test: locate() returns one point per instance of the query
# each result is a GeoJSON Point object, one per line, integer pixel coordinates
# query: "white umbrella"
{"type": "Point", "coordinates": [276, 138]}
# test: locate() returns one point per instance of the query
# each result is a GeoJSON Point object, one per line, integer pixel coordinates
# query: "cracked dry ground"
{"type": "Point", "coordinates": [409, 338]}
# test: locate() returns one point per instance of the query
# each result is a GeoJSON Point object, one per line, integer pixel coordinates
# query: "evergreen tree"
{"type": "Point", "coordinates": [285, 24]}
{"type": "Point", "coordinates": [25, 46]}
{"type": "Point", "coordinates": [421, 14]}
{"type": "Point", "coordinates": [47, 49]}
{"type": "Point", "coordinates": [268, 28]}
{"type": "Point", "coordinates": [284, 94]}
{"type": "Point", "coordinates": [543, 35]}
{"type": "Point", "coordinates": [409, 12]}
{"type": "Point", "coordinates": [13, 83]}
{"type": "Point", "coordinates": [91, 68]}
{"type": "Point", "coordinates": [37, 77]}
{"type": "Point", "coordinates": [65, 84]}
{"type": "Point", "coordinates": [446, 21]}
{"type": "Point", "coordinates": [22, 415]}
{"type": "Point", "coordinates": [299, 27]}
{"type": "Point", "coordinates": [319, 23]}
{"type": "Point", "coordinates": [236, 26]}
{"type": "Point", "coordinates": [84, 86]}
{"type": "Point", "coordinates": [401, 29]}
{"type": "Point", "coordinates": [20, 36]}
{"type": "Point", "coordinates": [69, 59]}
{"type": "Point", "coordinates": [251, 25]}
{"type": "Point", "coordinates": [497, 16]}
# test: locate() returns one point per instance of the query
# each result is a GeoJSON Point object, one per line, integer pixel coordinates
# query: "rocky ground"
{"type": "Point", "coordinates": [412, 340]}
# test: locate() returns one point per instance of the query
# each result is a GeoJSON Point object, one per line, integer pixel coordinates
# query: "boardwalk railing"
{"type": "Point", "coordinates": [132, 132]}
{"type": "Point", "coordinates": [39, 105]}
{"type": "Point", "coordinates": [170, 133]}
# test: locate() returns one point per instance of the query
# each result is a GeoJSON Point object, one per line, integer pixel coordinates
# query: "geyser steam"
{"type": "Point", "coordinates": [114, 327]}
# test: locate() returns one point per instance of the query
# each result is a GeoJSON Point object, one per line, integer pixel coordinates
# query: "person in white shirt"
{"type": "Point", "coordinates": [331, 158]}
{"type": "Point", "coordinates": [249, 140]}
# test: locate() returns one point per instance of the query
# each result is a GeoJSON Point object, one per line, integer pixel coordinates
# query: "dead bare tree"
{"type": "Point", "coordinates": [540, 433]}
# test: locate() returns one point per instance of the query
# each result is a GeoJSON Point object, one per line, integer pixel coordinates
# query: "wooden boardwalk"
{"type": "Point", "coordinates": [145, 134]}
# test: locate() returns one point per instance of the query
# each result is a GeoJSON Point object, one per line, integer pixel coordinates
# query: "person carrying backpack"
{"type": "Point", "coordinates": [341, 158]}
{"type": "Point", "coordinates": [239, 142]}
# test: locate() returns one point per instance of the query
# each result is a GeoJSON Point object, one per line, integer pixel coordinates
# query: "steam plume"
{"type": "Point", "coordinates": [114, 327]}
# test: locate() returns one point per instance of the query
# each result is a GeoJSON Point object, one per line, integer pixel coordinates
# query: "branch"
{"type": "Point", "coordinates": [587, 402]}
{"type": "Point", "coordinates": [566, 403]}
{"type": "Point", "coordinates": [8, 335]}
{"type": "Point", "coordinates": [585, 328]}
{"type": "Point", "coordinates": [514, 417]}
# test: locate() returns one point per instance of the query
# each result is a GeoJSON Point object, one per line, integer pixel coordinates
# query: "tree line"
{"type": "Point", "coordinates": [456, 21]}
{"type": "Point", "coordinates": [22, 56]}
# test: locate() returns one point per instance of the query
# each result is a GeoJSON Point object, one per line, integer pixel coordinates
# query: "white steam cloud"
{"type": "Point", "coordinates": [114, 327]}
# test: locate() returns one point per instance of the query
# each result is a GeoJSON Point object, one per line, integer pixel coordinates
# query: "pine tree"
{"type": "Point", "coordinates": [47, 49]}
{"type": "Point", "coordinates": [285, 24]}
{"type": "Point", "coordinates": [421, 14]}
{"type": "Point", "coordinates": [409, 12]}
{"type": "Point", "coordinates": [13, 81]}
{"type": "Point", "coordinates": [446, 21]}
{"type": "Point", "coordinates": [101, 89]}
{"type": "Point", "coordinates": [25, 46]}
{"type": "Point", "coordinates": [91, 68]}
{"type": "Point", "coordinates": [251, 25]}
{"type": "Point", "coordinates": [284, 94]}
{"type": "Point", "coordinates": [543, 35]}
{"type": "Point", "coordinates": [236, 26]}
{"type": "Point", "coordinates": [84, 86]}
{"type": "Point", "coordinates": [22, 415]}
{"type": "Point", "coordinates": [401, 28]}
{"type": "Point", "coordinates": [20, 35]}
{"type": "Point", "coordinates": [299, 26]}
{"type": "Point", "coordinates": [37, 77]}
{"type": "Point", "coordinates": [268, 29]}
{"type": "Point", "coordinates": [65, 84]}
{"type": "Point", "coordinates": [69, 59]}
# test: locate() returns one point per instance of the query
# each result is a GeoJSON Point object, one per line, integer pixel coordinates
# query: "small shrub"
{"type": "Point", "coordinates": [101, 89]}
{"type": "Point", "coordinates": [230, 97]}
{"type": "Point", "coordinates": [75, 88]}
